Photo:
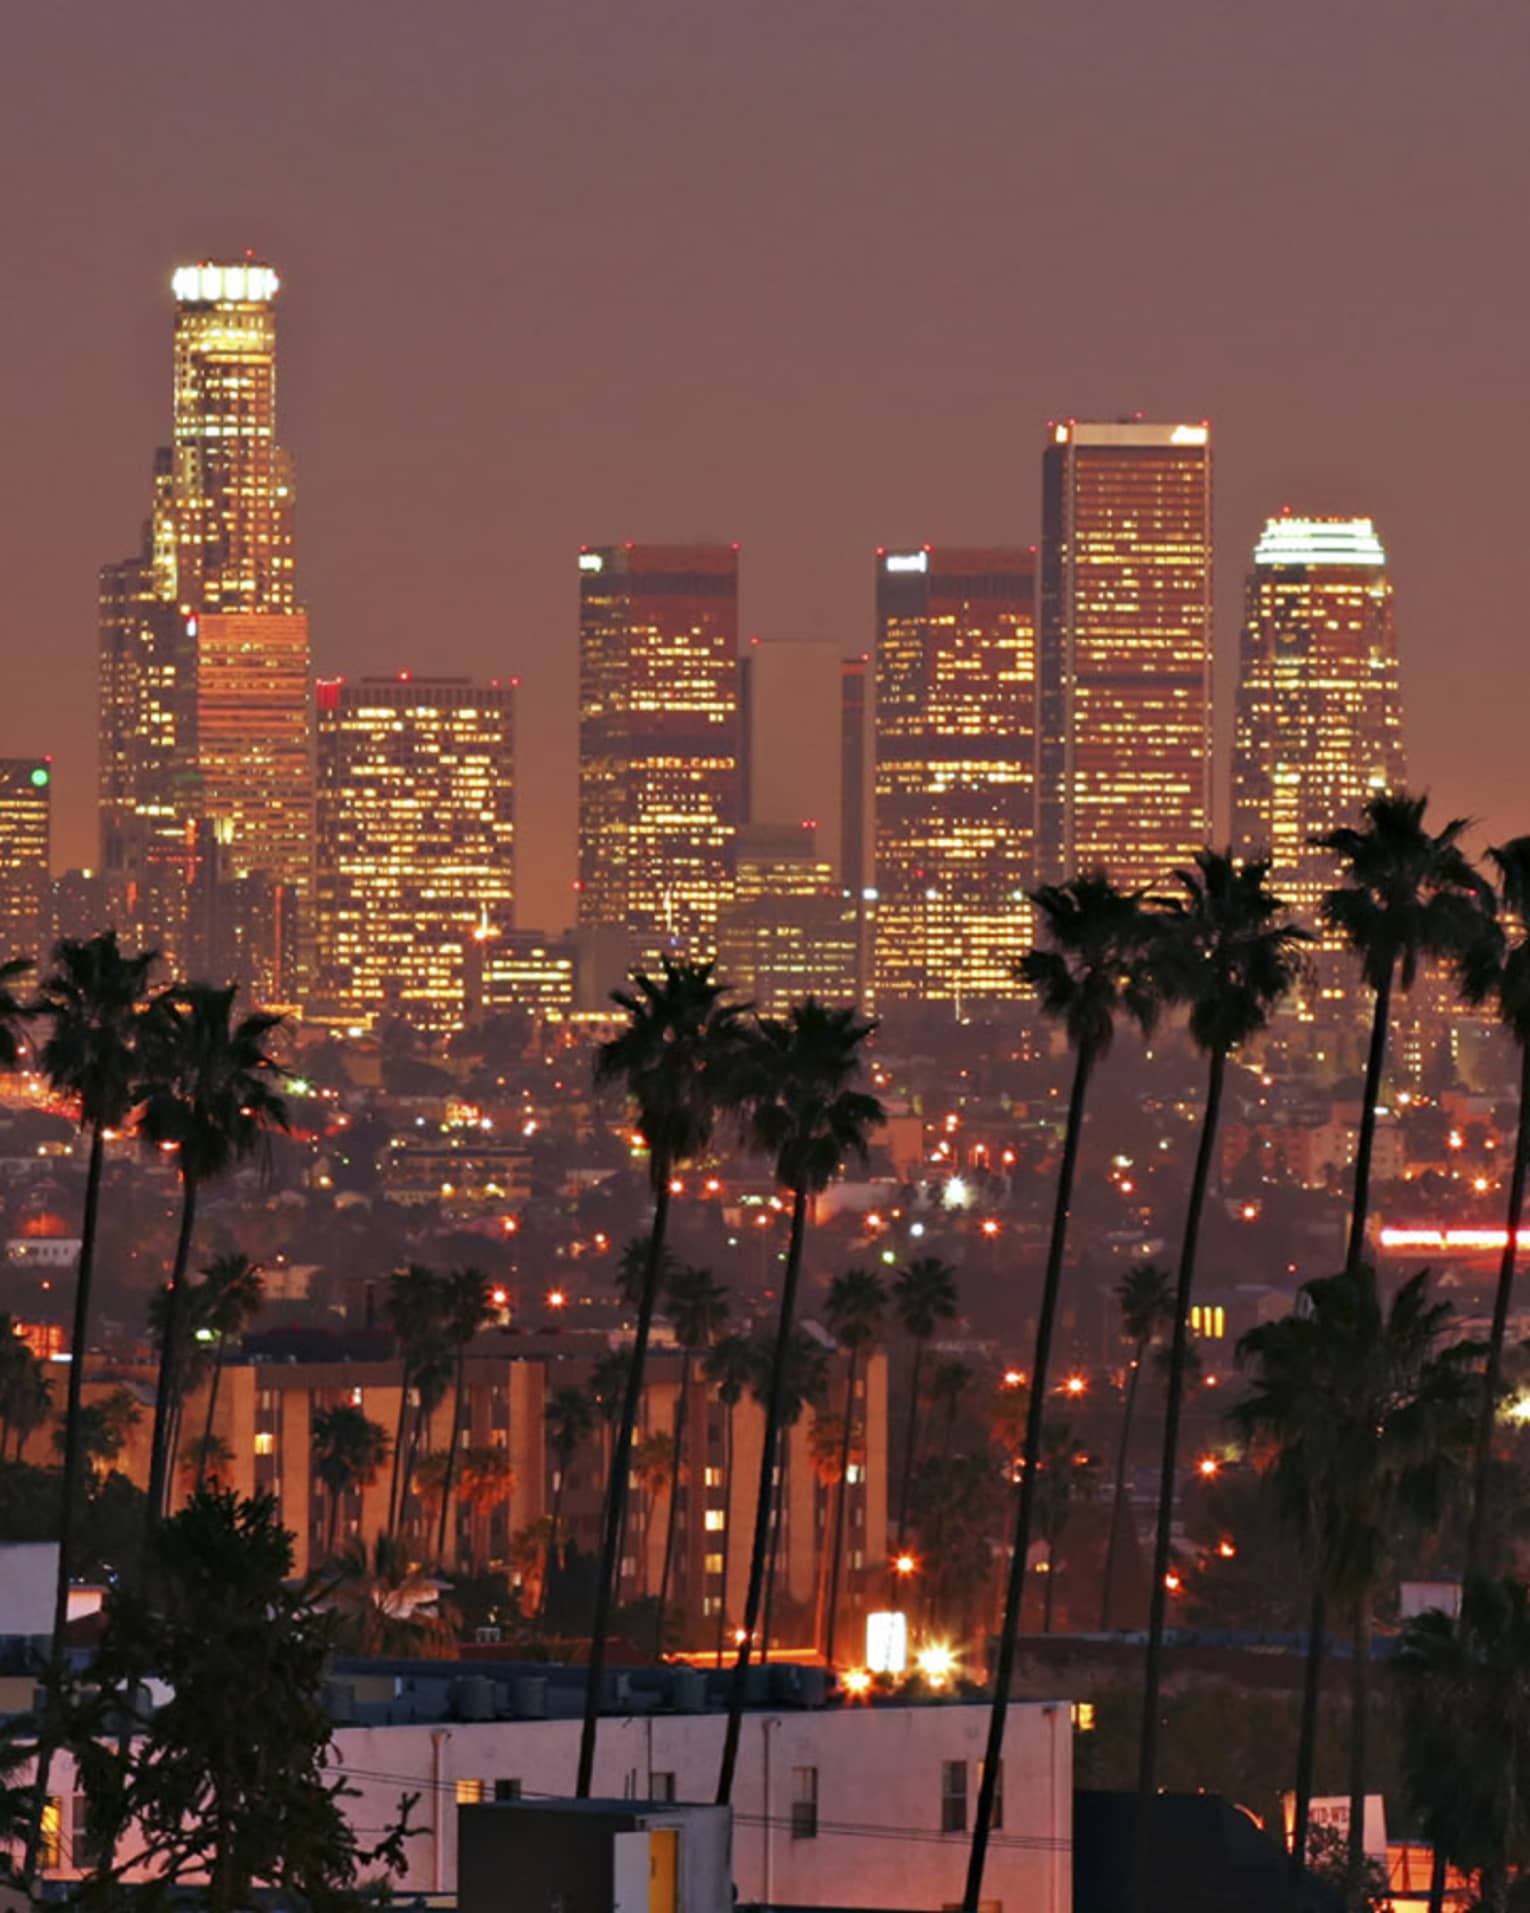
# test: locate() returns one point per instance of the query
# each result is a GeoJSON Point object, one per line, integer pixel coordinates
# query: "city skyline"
{"type": "Point", "coordinates": [469, 399]}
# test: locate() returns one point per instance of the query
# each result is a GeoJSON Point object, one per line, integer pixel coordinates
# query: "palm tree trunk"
{"type": "Point", "coordinates": [48, 1738]}
{"type": "Point", "coordinates": [1359, 1718]}
{"type": "Point", "coordinates": [212, 1408]}
{"type": "Point", "coordinates": [1437, 1882]}
{"type": "Point", "coordinates": [616, 1485]}
{"type": "Point", "coordinates": [451, 1454]}
{"type": "Point", "coordinates": [1492, 1375]}
{"type": "Point", "coordinates": [839, 1511]}
{"type": "Point", "coordinates": [774, 1416]}
{"type": "Point", "coordinates": [550, 1558]}
{"type": "Point", "coordinates": [1118, 1497]}
{"type": "Point", "coordinates": [1025, 1498]}
{"type": "Point", "coordinates": [1147, 1763]}
{"type": "Point", "coordinates": [727, 1535]}
{"type": "Point", "coordinates": [160, 1452]}
{"type": "Point", "coordinates": [672, 1523]}
{"type": "Point", "coordinates": [1375, 1057]}
{"type": "Point", "coordinates": [777, 1523]}
{"type": "Point", "coordinates": [334, 1522]}
{"type": "Point", "coordinates": [909, 1445]}
{"type": "Point", "coordinates": [398, 1442]}
{"type": "Point", "coordinates": [1306, 1748]}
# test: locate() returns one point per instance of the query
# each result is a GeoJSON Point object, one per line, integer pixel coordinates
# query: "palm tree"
{"type": "Point", "coordinates": [90, 1002]}
{"type": "Point", "coordinates": [728, 1366]}
{"type": "Point", "coordinates": [856, 1303]}
{"type": "Point", "coordinates": [835, 1442]}
{"type": "Point", "coordinates": [468, 1308]}
{"type": "Point", "coordinates": [205, 1459]}
{"type": "Point", "coordinates": [1068, 1475]}
{"type": "Point", "coordinates": [348, 1453]}
{"type": "Point", "coordinates": [1408, 895]}
{"type": "Point", "coordinates": [1466, 1732]}
{"type": "Point", "coordinates": [1091, 970]}
{"type": "Point", "coordinates": [1369, 1409]}
{"type": "Point", "coordinates": [105, 1425]}
{"type": "Point", "coordinates": [654, 1466]}
{"type": "Point", "coordinates": [923, 1296]}
{"type": "Point", "coordinates": [1145, 1297]}
{"type": "Point", "coordinates": [570, 1421]}
{"type": "Point", "coordinates": [1495, 968]}
{"type": "Point", "coordinates": [1228, 957]}
{"type": "Point", "coordinates": [805, 1386]}
{"type": "Point", "coordinates": [415, 1307]}
{"type": "Point", "coordinates": [210, 1096]}
{"type": "Point", "coordinates": [797, 1085]}
{"type": "Point", "coordinates": [387, 1605]}
{"type": "Point", "coordinates": [675, 1060]}
{"type": "Point", "coordinates": [227, 1300]}
{"type": "Point", "coordinates": [698, 1309]}
{"type": "Point", "coordinates": [24, 1394]}
{"type": "Point", "coordinates": [484, 1480]}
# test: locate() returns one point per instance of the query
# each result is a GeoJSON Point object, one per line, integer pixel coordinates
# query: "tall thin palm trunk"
{"type": "Point", "coordinates": [333, 1526]}
{"type": "Point", "coordinates": [910, 1443]}
{"type": "Point", "coordinates": [774, 1416]}
{"type": "Point", "coordinates": [1492, 1374]}
{"type": "Point", "coordinates": [49, 1734]}
{"type": "Point", "coordinates": [398, 1444]}
{"type": "Point", "coordinates": [212, 1409]}
{"type": "Point", "coordinates": [1025, 1498]}
{"type": "Point", "coordinates": [777, 1524]}
{"type": "Point", "coordinates": [161, 1450]}
{"type": "Point", "coordinates": [1359, 1719]}
{"type": "Point", "coordinates": [840, 1499]}
{"type": "Point", "coordinates": [1365, 1144]}
{"type": "Point", "coordinates": [1147, 1763]}
{"type": "Point", "coordinates": [1118, 1496]}
{"type": "Point", "coordinates": [727, 1534]}
{"type": "Point", "coordinates": [550, 1558]}
{"type": "Point", "coordinates": [451, 1453]}
{"type": "Point", "coordinates": [672, 1523]}
{"type": "Point", "coordinates": [616, 1485]}
{"type": "Point", "coordinates": [1306, 1748]}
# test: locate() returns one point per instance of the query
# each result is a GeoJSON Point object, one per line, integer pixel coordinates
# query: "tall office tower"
{"type": "Point", "coordinates": [205, 704]}
{"type": "Point", "coordinates": [1319, 712]}
{"type": "Point", "coordinates": [1126, 644]}
{"type": "Point", "coordinates": [792, 931]}
{"type": "Point", "coordinates": [416, 845]}
{"type": "Point", "coordinates": [659, 740]}
{"type": "Point", "coordinates": [26, 877]}
{"type": "Point", "coordinates": [955, 772]}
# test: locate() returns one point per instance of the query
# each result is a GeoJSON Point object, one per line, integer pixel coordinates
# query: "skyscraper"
{"type": "Point", "coordinates": [416, 845]}
{"type": "Point", "coordinates": [955, 771]}
{"type": "Point", "coordinates": [659, 740]}
{"type": "Point", "coordinates": [1126, 647]}
{"type": "Point", "coordinates": [1319, 710]}
{"type": "Point", "coordinates": [26, 813]}
{"type": "Point", "coordinates": [205, 705]}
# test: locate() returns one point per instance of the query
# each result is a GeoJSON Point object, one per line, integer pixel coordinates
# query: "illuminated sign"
{"type": "Point", "coordinates": [212, 285]}
{"type": "Point", "coordinates": [887, 1643]}
{"type": "Point", "coordinates": [907, 561]}
{"type": "Point", "coordinates": [1471, 1241]}
{"type": "Point", "coordinates": [1189, 435]}
{"type": "Point", "coordinates": [591, 561]}
{"type": "Point", "coordinates": [1319, 541]}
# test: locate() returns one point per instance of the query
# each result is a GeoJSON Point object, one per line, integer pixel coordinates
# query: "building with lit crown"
{"type": "Point", "coordinates": [416, 845]}
{"type": "Point", "coordinates": [205, 689]}
{"type": "Point", "coordinates": [1126, 650]}
{"type": "Point", "coordinates": [659, 740]}
{"type": "Point", "coordinates": [955, 777]}
{"type": "Point", "coordinates": [26, 838]}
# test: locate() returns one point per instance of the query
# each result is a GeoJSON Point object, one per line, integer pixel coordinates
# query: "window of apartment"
{"type": "Point", "coordinates": [84, 1852]}
{"type": "Point", "coordinates": [996, 1824]}
{"type": "Point", "coordinates": [469, 1793]}
{"type": "Point", "coordinates": [507, 1790]}
{"type": "Point", "coordinates": [714, 1564]}
{"type": "Point", "coordinates": [953, 1796]}
{"type": "Point", "coordinates": [661, 1786]}
{"type": "Point", "coordinates": [855, 1473]}
{"type": "Point", "coordinates": [265, 1443]}
{"type": "Point", "coordinates": [804, 1803]}
{"type": "Point", "coordinates": [50, 1847]}
{"type": "Point", "coordinates": [710, 1603]}
{"type": "Point", "coordinates": [714, 1477]}
{"type": "Point", "coordinates": [716, 1521]}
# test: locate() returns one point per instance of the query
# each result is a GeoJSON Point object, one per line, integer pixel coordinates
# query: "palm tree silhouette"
{"type": "Point", "coordinates": [1370, 1411]}
{"type": "Point", "coordinates": [728, 1366]}
{"type": "Point", "coordinates": [1495, 968]}
{"type": "Point", "coordinates": [416, 1310]}
{"type": "Point", "coordinates": [224, 1303]}
{"type": "Point", "coordinates": [1091, 969]}
{"type": "Point", "coordinates": [209, 1095]}
{"type": "Point", "coordinates": [90, 1002]}
{"type": "Point", "coordinates": [805, 1386]}
{"type": "Point", "coordinates": [570, 1421]}
{"type": "Point", "coordinates": [675, 1060]}
{"type": "Point", "coordinates": [468, 1307]}
{"type": "Point", "coordinates": [697, 1307]}
{"type": "Point", "coordinates": [1145, 1298]}
{"type": "Point", "coordinates": [348, 1453]}
{"type": "Point", "coordinates": [1226, 955]}
{"type": "Point", "coordinates": [796, 1082]}
{"type": "Point", "coordinates": [856, 1303]}
{"type": "Point", "coordinates": [924, 1296]}
{"type": "Point", "coordinates": [1068, 1476]}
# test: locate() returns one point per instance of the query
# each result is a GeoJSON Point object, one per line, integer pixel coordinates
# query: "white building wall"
{"type": "Point", "coordinates": [879, 1781]}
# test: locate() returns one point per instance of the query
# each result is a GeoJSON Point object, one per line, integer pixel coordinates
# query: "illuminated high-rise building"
{"type": "Point", "coordinates": [416, 846]}
{"type": "Point", "coordinates": [955, 777]}
{"type": "Point", "coordinates": [1126, 647]}
{"type": "Point", "coordinates": [205, 691]}
{"type": "Point", "coordinates": [659, 740]}
{"type": "Point", "coordinates": [1319, 710]}
{"type": "Point", "coordinates": [26, 842]}
{"type": "Point", "coordinates": [792, 931]}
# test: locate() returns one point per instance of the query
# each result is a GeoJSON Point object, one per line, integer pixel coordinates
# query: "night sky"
{"type": "Point", "coordinates": [809, 274]}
